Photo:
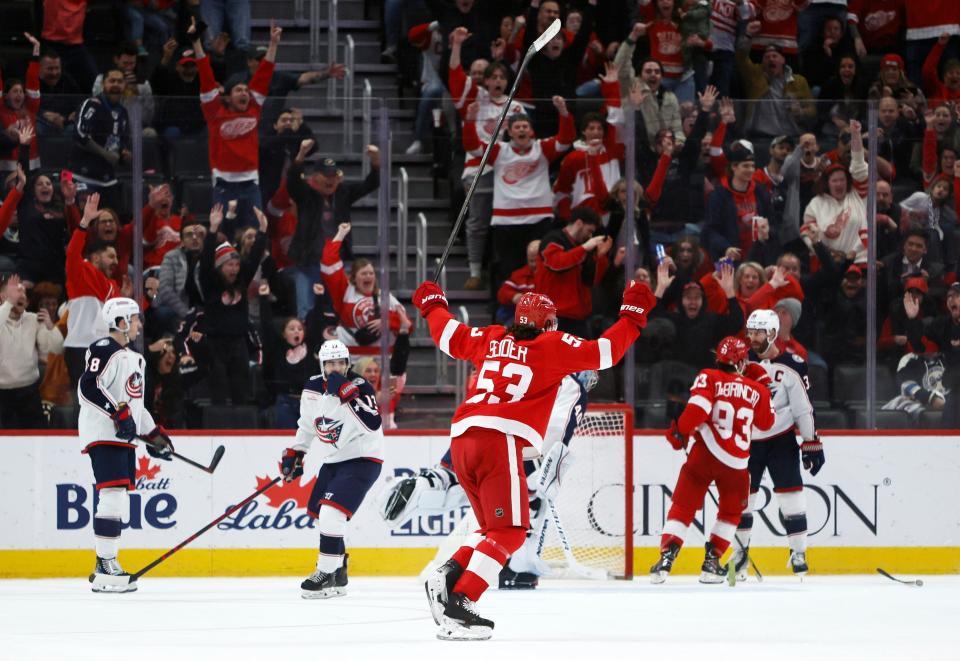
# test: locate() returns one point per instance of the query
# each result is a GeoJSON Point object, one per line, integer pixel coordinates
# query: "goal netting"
{"type": "Point", "coordinates": [592, 506]}
{"type": "Point", "coordinates": [594, 503]}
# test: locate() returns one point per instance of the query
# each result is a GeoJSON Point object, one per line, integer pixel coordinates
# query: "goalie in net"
{"type": "Point", "coordinates": [437, 491]}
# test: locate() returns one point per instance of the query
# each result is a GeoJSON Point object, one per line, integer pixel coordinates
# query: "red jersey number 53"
{"type": "Point", "coordinates": [514, 380]}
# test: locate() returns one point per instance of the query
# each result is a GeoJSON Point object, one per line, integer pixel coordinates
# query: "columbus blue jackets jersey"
{"type": "Point", "coordinates": [348, 430]}
{"type": "Point", "coordinates": [113, 374]}
{"type": "Point", "coordinates": [791, 403]}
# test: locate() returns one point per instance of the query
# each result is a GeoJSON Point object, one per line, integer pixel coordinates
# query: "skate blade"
{"type": "Point", "coordinates": [711, 579]}
{"type": "Point", "coordinates": [115, 584]}
{"type": "Point", "coordinates": [455, 631]}
{"type": "Point", "coordinates": [435, 587]}
{"type": "Point", "coordinates": [327, 593]}
{"type": "Point", "coordinates": [742, 577]}
{"type": "Point", "coordinates": [658, 578]}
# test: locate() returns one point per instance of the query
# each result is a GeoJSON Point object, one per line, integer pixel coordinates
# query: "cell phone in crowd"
{"type": "Point", "coordinates": [661, 253]}
{"type": "Point", "coordinates": [754, 229]}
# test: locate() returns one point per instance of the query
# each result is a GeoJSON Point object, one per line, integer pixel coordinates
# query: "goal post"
{"type": "Point", "coordinates": [595, 500]}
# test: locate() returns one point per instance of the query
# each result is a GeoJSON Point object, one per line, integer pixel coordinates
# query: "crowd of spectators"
{"type": "Point", "coordinates": [748, 123]}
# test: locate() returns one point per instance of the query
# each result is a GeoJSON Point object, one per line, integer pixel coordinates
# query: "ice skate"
{"type": "Point", "coordinates": [460, 621]}
{"type": "Point", "coordinates": [659, 572]}
{"type": "Point", "coordinates": [321, 585]}
{"type": "Point", "coordinates": [741, 559]}
{"type": "Point", "coordinates": [108, 576]}
{"type": "Point", "coordinates": [711, 571]}
{"type": "Point", "coordinates": [512, 580]}
{"type": "Point", "coordinates": [340, 577]}
{"type": "Point", "coordinates": [798, 563]}
{"type": "Point", "coordinates": [439, 585]}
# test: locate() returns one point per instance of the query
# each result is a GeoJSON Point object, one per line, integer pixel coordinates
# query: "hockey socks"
{"type": "Point", "coordinates": [332, 524]}
{"type": "Point", "coordinates": [793, 510]}
{"type": "Point", "coordinates": [112, 504]}
{"type": "Point", "coordinates": [486, 561]}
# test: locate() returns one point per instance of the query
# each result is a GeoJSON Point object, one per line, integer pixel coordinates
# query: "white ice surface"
{"type": "Point", "coordinates": [864, 617]}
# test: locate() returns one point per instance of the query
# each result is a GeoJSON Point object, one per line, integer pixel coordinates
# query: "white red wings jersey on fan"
{"type": "Point", "coordinates": [518, 380]}
{"type": "Point", "coordinates": [722, 411]}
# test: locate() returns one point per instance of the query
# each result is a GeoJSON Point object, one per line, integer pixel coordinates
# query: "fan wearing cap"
{"type": "Point", "coordinates": [323, 202]}
{"type": "Point", "coordinates": [839, 209]}
{"type": "Point", "coordinates": [732, 206]}
{"type": "Point", "coordinates": [177, 80]}
{"type": "Point", "coordinates": [893, 335]}
{"type": "Point", "coordinates": [503, 419]}
{"type": "Point", "coordinates": [225, 280]}
{"type": "Point", "coordinates": [788, 310]}
{"type": "Point", "coordinates": [725, 409]}
{"type": "Point", "coordinates": [782, 99]}
{"type": "Point", "coordinates": [233, 123]}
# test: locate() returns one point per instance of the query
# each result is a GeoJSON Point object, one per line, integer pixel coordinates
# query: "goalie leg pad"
{"type": "Point", "coordinates": [548, 478]}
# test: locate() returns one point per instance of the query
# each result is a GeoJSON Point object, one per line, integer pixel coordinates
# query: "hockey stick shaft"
{"type": "Point", "coordinates": [207, 527]}
{"type": "Point", "coordinates": [541, 41]}
{"type": "Point", "coordinates": [575, 565]}
{"type": "Point", "coordinates": [217, 455]}
{"type": "Point", "coordinates": [917, 583]}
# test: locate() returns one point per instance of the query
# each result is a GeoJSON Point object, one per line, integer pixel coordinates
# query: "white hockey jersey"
{"type": "Point", "coordinates": [791, 404]}
{"type": "Point", "coordinates": [521, 183]}
{"type": "Point", "coordinates": [350, 430]}
{"type": "Point", "coordinates": [113, 374]}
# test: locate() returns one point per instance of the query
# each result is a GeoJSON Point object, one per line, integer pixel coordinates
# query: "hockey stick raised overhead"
{"type": "Point", "coordinates": [552, 30]}
{"type": "Point", "coordinates": [214, 461]}
{"type": "Point", "coordinates": [915, 584]}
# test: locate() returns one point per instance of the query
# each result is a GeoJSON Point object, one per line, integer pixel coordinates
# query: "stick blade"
{"type": "Point", "coordinates": [552, 30]}
{"type": "Point", "coordinates": [217, 456]}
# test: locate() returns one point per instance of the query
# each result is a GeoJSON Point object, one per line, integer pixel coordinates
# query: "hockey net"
{"type": "Point", "coordinates": [595, 500]}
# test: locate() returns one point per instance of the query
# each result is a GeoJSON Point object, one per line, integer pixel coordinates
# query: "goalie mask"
{"type": "Point", "coordinates": [536, 310]}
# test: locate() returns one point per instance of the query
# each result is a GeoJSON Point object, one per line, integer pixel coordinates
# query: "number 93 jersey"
{"type": "Point", "coordinates": [518, 380]}
{"type": "Point", "coordinates": [723, 409]}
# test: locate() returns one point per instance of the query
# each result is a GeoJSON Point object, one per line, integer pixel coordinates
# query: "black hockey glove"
{"type": "Point", "coordinates": [159, 445]}
{"type": "Point", "coordinates": [124, 423]}
{"type": "Point", "coordinates": [811, 452]}
{"type": "Point", "coordinates": [291, 464]}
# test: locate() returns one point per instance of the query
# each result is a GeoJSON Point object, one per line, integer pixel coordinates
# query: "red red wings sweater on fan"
{"type": "Point", "coordinates": [234, 140]}
{"type": "Point", "coordinates": [87, 289]}
{"type": "Point", "coordinates": [28, 114]}
{"type": "Point", "coordinates": [518, 380]}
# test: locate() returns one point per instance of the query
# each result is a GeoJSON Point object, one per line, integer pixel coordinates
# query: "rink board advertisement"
{"type": "Point", "coordinates": [879, 498]}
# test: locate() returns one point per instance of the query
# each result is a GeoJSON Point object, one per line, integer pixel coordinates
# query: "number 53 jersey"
{"type": "Point", "coordinates": [517, 381]}
{"type": "Point", "coordinates": [722, 412]}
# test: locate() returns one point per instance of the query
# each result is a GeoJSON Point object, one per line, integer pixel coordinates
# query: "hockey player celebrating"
{"type": "Point", "coordinates": [437, 491]}
{"type": "Point", "coordinates": [723, 410]}
{"type": "Point", "coordinates": [112, 415]}
{"type": "Point", "coordinates": [775, 449]}
{"type": "Point", "coordinates": [338, 408]}
{"type": "Point", "coordinates": [506, 413]}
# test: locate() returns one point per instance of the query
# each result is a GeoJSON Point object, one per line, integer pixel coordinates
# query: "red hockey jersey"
{"type": "Point", "coordinates": [722, 410]}
{"type": "Point", "coordinates": [234, 141]}
{"type": "Point", "coordinates": [778, 24]}
{"type": "Point", "coordinates": [518, 380]}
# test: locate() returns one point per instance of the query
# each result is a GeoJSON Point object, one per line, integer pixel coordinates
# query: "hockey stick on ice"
{"type": "Point", "coordinates": [230, 510]}
{"type": "Point", "coordinates": [914, 584]}
{"type": "Point", "coordinates": [535, 47]}
{"type": "Point", "coordinates": [574, 564]}
{"type": "Point", "coordinates": [214, 461]}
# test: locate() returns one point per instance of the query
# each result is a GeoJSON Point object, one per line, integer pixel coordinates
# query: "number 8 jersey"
{"type": "Point", "coordinates": [518, 380]}
{"type": "Point", "coordinates": [722, 411]}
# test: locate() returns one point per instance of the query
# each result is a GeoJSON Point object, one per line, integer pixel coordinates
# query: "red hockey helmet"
{"type": "Point", "coordinates": [536, 310]}
{"type": "Point", "coordinates": [732, 351]}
